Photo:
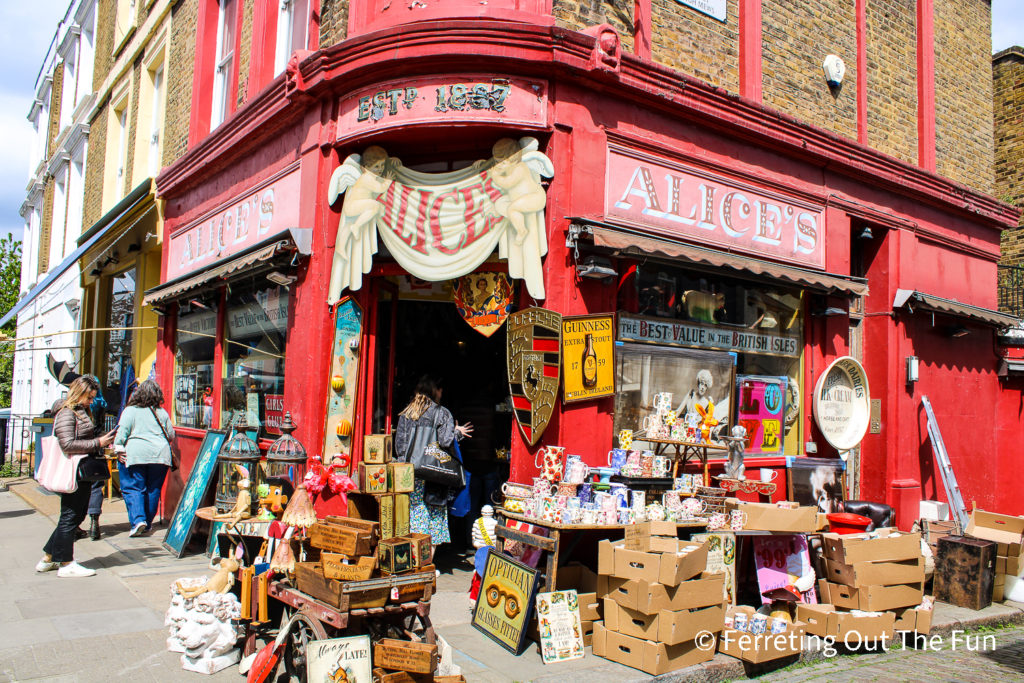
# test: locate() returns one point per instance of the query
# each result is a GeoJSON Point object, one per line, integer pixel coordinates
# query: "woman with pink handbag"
{"type": "Point", "coordinates": [78, 434]}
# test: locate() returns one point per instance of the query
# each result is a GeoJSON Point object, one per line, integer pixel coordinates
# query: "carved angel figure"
{"type": "Point", "coordinates": [362, 180]}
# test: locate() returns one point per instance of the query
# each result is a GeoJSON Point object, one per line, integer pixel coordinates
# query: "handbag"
{"type": "Point", "coordinates": [93, 468]}
{"type": "Point", "coordinates": [58, 472]}
{"type": "Point", "coordinates": [175, 452]}
{"type": "Point", "coordinates": [433, 464]}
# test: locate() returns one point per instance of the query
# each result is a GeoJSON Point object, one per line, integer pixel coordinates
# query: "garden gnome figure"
{"type": "Point", "coordinates": [734, 469]}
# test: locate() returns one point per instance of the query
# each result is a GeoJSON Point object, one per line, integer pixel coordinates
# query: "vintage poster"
{"type": "Point", "coordinates": [344, 378]}
{"type": "Point", "coordinates": [782, 560]}
{"type": "Point", "coordinates": [534, 364]}
{"type": "Point", "coordinates": [721, 559]}
{"type": "Point", "coordinates": [558, 620]}
{"type": "Point", "coordinates": [339, 659]}
{"type": "Point", "coordinates": [588, 365]}
{"type": "Point", "coordinates": [484, 300]}
{"type": "Point", "coordinates": [502, 609]}
{"type": "Point", "coordinates": [761, 409]}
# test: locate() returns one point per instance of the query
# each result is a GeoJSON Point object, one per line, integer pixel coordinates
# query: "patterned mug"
{"type": "Point", "coordinates": [625, 439]}
{"type": "Point", "coordinates": [661, 466]}
{"type": "Point", "coordinates": [617, 458]}
{"type": "Point", "coordinates": [549, 461]}
{"type": "Point", "coordinates": [716, 521]}
{"type": "Point", "coordinates": [737, 520]}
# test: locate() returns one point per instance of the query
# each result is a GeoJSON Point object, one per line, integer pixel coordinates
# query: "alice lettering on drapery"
{"type": "Point", "coordinates": [440, 226]}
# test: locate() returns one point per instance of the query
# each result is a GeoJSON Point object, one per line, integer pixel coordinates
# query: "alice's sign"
{"type": "Point", "coordinates": [441, 226]}
{"type": "Point", "coordinates": [678, 201]}
{"type": "Point", "coordinates": [262, 212]}
{"type": "Point", "coordinates": [694, 335]}
{"type": "Point", "coordinates": [429, 99]}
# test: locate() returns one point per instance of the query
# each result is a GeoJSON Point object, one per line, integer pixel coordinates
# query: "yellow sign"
{"type": "Point", "coordinates": [588, 347]}
{"type": "Point", "coordinates": [502, 608]}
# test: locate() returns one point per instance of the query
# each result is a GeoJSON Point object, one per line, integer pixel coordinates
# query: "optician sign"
{"type": "Point", "coordinates": [679, 201]}
{"type": "Point", "coordinates": [248, 219]}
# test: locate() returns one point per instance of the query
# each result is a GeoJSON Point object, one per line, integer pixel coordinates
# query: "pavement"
{"type": "Point", "coordinates": [110, 627]}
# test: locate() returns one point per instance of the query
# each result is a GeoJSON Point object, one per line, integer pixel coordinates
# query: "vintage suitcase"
{"type": "Point", "coordinates": [965, 571]}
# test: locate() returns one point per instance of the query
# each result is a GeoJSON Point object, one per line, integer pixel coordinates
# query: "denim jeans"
{"type": "Point", "coordinates": [140, 487]}
{"type": "Point", "coordinates": [60, 547]}
{"type": "Point", "coordinates": [96, 496]}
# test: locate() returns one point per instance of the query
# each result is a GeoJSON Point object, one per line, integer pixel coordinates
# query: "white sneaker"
{"type": "Point", "coordinates": [44, 566]}
{"type": "Point", "coordinates": [74, 570]}
{"type": "Point", "coordinates": [138, 529]}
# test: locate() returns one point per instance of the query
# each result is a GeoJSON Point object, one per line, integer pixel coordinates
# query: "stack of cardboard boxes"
{"type": "Point", "coordinates": [1007, 532]}
{"type": "Point", "coordinates": [881, 572]}
{"type": "Point", "coordinates": [657, 598]}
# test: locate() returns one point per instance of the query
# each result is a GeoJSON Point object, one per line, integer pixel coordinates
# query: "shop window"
{"type": "Point", "coordinates": [193, 363]}
{"type": "Point", "coordinates": [255, 335]}
{"type": "Point", "coordinates": [686, 321]}
{"type": "Point", "coordinates": [224, 62]}
{"type": "Point", "coordinates": [120, 372]}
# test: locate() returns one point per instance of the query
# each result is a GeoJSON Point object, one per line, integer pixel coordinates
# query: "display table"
{"type": "Point", "coordinates": [553, 542]}
{"type": "Point", "coordinates": [686, 451]}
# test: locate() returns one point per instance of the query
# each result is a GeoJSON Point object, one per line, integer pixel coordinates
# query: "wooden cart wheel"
{"type": "Point", "coordinates": [305, 629]}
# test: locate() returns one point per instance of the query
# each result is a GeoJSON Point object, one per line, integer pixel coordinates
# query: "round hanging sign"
{"type": "Point", "coordinates": [842, 403]}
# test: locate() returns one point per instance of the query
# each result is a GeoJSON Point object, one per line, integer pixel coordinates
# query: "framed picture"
{"type": "Point", "coordinates": [339, 659]}
{"type": "Point", "coordinates": [721, 559]}
{"type": "Point", "coordinates": [761, 409]}
{"type": "Point", "coordinates": [502, 610]}
{"type": "Point", "coordinates": [818, 482]}
{"type": "Point", "coordinates": [588, 357]}
{"type": "Point", "coordinates": [203, 471]}
{"type": "Point", "coordinates": [697, 382]}
{"type": "Point", "coordinates": [558, 621]}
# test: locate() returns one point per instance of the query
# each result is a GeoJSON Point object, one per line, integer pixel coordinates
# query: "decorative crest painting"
{"type": "Point", "coordinates": [441, 226]}
{"type": "Point", "coordinates": [534, 361]}
{"type": "Point", "coordinates": [484, 300]}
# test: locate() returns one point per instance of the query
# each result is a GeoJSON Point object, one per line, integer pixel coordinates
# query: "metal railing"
{"type": "Point", "coordinates": [18, 449]}
{"type": "Point", "coordinates": [1011, 290]}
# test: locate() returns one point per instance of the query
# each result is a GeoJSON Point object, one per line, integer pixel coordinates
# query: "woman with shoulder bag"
{"type": "Point", "coordinates": [77, 433]}
{"type": "Point", "coordinates": [146, 432]}
{"type": "Point", "coordinates": [425, 423]}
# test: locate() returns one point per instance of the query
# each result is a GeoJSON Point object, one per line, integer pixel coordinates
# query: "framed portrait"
{"type": "Point", "coordinates": [693, 378]}
{"type": "Point", "coordinates": [818, 482]}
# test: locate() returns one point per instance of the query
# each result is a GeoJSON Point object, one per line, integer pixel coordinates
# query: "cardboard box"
{"type": "Point", "coordinates": [871, 598]}
{"type": "Point", "coordinates": [646, 655]}
{"type": "Point", "coordinates": [377, 448]}
{"type": "Point", "coordinates": [875, 573]}
{"type": "Point", "coordinates": [846, 627]}
{"type": "Point", "coordinates": [652, 537]}
{"type": "Point", "coordinates": [769, 517]}
{"type": "Point", "coordinates": [682, 626]}
{"type": "Point", "coordinates": [343, 568]}
{"type": "Point", "coordinates": [403, 655]}
{"type": "Point", "coordinates": [998, 593]}
{"type": "Point", "coordinates": [1009, 549]}
{"type": "Point", "coordinates": [421, 549]}
{"type": "Point", "coordinates": [630, 622]}
{"type": "Point", "coordinates": [992, 526]}
{"type": "Point", "coordinates": [888, 546]}
{"type": "Point", "coordinates": [760, 648]}
{"type": "Point", "coordinates": [1009, 565]}
{"type": "Point", "coordinates": [651, 598]}
{"type": "Point", "coordinates": [395, 556]}
{"type": "Point", "coordinates": [401, 477]}
{"type": "Point", "coordinates": [911, 619]}
{"type": "Point", "coordinates": [373, 478]}
{"type": "Point", "coordinates": [613, 559]}
{"type": "Point", "coordinates": [578, 577]}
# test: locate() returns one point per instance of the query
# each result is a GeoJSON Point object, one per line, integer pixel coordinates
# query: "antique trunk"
{"type": "Point", "coordinates": [310, 579]}
{"type": "Point", "coordinates": [965, 571]}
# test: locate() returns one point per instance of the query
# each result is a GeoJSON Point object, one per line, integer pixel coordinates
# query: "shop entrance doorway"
{"type": "Point", "coordinates": [431, 338]}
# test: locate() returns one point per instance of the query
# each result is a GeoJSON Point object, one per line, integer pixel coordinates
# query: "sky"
{"type": "Point", "coordinates": [27, 28]}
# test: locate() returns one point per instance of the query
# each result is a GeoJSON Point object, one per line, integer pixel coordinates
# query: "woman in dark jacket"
{"type": "Point", "coordinates": [77, 434]}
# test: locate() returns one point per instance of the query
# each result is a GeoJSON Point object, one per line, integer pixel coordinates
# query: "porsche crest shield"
{"type": "Point", "coordinates": [534, 359]}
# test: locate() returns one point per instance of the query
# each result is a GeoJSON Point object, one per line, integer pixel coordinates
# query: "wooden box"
{"type": "Point", "coordinates": [414, 592]}
{"type": "Point", "coordinates": [309, 579]}
{"type": "Point", "coordinates": [336, 538]}
{"type": "Point", "coordinates": [401, 655]}
{"type": "Point", "coordinates": [373, 478]}
{"type": "Point", "coordinates": [377, 448]}
{"type": "Point", "coordinates": [401, 477]}
{"type": "Point", "coordinates": [365, 525]}
{"type": "Point", "coordinates": [402, 522]}
{"type": "Point", "coordinates": [382, 676]}
{"type": "Point", "coordinates": [965, 571]}
{"type": "Point", "coordinates": [421, 550]}
{"type": "Point", "coordinates": [395, 555]}
{"type": "Point", "coordinates": [336, 566]}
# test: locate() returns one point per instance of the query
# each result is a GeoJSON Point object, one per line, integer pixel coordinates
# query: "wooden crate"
{"type": "Point", "coordinates": [401, 655]}
{"type": "Point", "coordinates": [342, 567]}
{"type": "Point", "coordinates": [366, 525]}
{"type": "Point", "coordinates": [309, 579]}
{"type": "Point", "coordinates": [932, 531]}
{"type": "Point", "coordinates": [340, 539]}
{"type": "Point", "coordinates": [382, 676]}
{"type": "Point", "coordinates": [395, 555]}
{"type": "Point", "coordinates": [965, 571]}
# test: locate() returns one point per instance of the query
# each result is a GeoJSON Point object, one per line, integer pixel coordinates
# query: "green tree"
{"type": "Point", "coordinates": [10, 284]}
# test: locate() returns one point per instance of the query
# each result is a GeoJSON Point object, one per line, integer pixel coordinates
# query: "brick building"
{"type": "Point", "coordinates": [695, 154]}
{"type": "Point", "coordinates": [1008, 93]}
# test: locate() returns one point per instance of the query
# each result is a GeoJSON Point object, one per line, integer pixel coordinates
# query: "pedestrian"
{"type": "Point", "coordinates": [146, 432]}
{"type": "Point", "coordinates": [422, 422]}
{"type": "Point", "coordinates": [98, 408]}
{"type": "Point", "coordinates": [77, 433]}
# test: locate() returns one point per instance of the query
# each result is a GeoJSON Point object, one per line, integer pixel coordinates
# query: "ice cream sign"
{"type": "Point", "coordinates": [678, 201]}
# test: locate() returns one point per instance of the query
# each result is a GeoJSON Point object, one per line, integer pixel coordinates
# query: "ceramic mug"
{"type": "Point", "coordinates": [513, 490]}
{"type": "Point", "coordinates": [620, 494]}
{"type": "Point", "coordinates": [549, 461]}
{"type": "Point", "coordinates": [589, 516]}
{"type": "Point", "coordinates": [683, 484]}
{"type": "Point", "coordinates": [716, 521]}
{"type": "Point", "coordinates": [577, 471]}
{"type": "Point", "coordinates": [646, 465]}
{"type": "Point", "coordinates": [778, 625]}
{"type": "Point", "coordinates": [516, 505]}
{"type": "Point", "coordinates": [661, 466]}
{"type": "Point", "coordinates": [638, 500]}
{"type": "Point", "coordinates": [617, 458]}
{"type": "Point", "coordinates": [652, 424]}
{"type": "Point", "coordinates": [758, 624]}
{"type": "Point", "coordinates": [663, 401]}
{"type": "Point", "coordinates": [768, 474]}
{"type": "Point", "coordinates": [737, 520]}
{"type": "Point", "coordinates": [567, 489]}
{"type": "Point", "coordinates": [632, 461]}
{"type": "Point", "coordinates": [739, 621]}
{"type": "Point", "coordinates": [670, 418]}
{"type": "Point", "coordinates": [586, 493]}
{"type": "Point", "coordinates": [541, 487]}
{"type": "Point", "coordinates": [625, 439]}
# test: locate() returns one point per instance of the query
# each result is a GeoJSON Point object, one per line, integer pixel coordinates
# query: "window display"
{"type": "Point", "coordinates": [193, 363]}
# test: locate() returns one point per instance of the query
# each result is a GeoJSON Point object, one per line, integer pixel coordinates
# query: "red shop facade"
{"type": "Point", "coordinates": [713, 228]}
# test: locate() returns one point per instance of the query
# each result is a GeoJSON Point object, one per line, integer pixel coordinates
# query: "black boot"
{"type": "Point", "coordinates": [94, 527]}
